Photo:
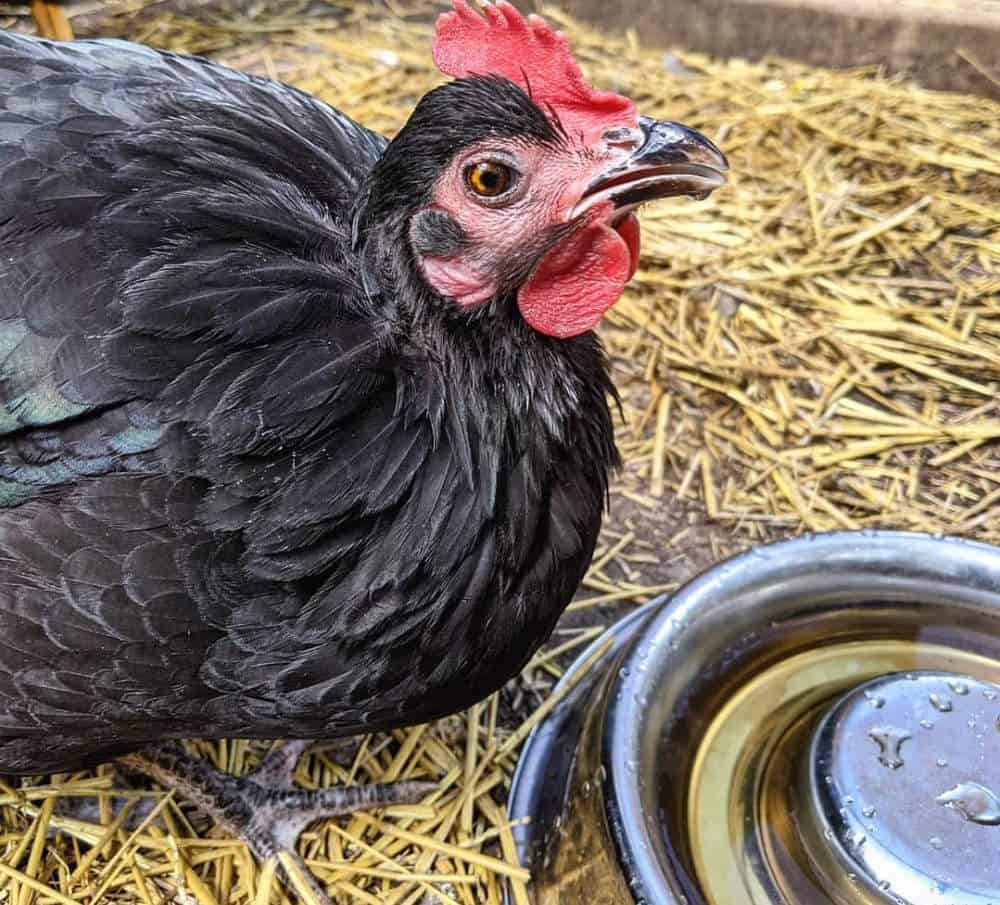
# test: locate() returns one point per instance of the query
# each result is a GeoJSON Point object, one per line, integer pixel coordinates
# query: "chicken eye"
{"type": "Point", "coordinates": [489, 178]}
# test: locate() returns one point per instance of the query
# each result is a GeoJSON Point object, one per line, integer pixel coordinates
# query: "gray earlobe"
{"type": "Point", "coordinates": [436, 233]}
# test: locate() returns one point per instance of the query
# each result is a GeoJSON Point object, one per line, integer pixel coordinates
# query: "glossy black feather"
{"type": "Point", "coordinates": [255, 479]}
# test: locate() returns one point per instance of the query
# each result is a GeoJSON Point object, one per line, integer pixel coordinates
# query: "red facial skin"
{"type": "Point", "coordinates": [574, 283]}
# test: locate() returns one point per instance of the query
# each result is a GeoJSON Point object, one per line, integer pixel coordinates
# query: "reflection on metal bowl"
{"type": "Point", "coordinates": [812, 722]}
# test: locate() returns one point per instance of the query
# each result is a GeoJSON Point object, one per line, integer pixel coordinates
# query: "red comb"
{"type": "Point", "coordinates": [530, 53]}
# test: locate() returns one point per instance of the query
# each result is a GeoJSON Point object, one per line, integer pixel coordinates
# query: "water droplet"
{"type": "Point", "coordinates": [960, 688]}
{"type": "Point", "coordinates": [868, 812]}
{"type": "Point", "coordinates": [942, 762]}
{"type": "Point", "coordinates": [971, 724]}
{"type": "Point", "coordinates": [875, 700]}
{"type": "Point", "coordinates": [974, 802]}
{"type": "Point", "coordinates": [941, 703]}
{"type": "Point", "coordinates": [936, 842]}
{"type": "Point", "coordinates": [989, 695]}
{"type": "Point", "coordinates": [884, 885]}
{"type": "Point", "coordinates": [889, 740]}
{"type": "Point", "coordinates": [623, 672]}
{"type": "Point", "coordinates": [926, 724]}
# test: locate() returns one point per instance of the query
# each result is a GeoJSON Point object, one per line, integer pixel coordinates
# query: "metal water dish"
{"type": "Point", "coordinates": [813, 722]}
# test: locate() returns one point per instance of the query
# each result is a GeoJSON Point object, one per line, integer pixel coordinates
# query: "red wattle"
{"type": "Point", "coordinates": [628, 229]}
{"type": "Point", "coordinates": [575, 284]}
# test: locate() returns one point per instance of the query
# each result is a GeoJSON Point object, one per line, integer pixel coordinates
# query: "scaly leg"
{"type": "Point", "coordinates": [264, 808]}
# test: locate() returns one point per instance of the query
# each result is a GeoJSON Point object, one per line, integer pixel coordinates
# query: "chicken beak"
{"type": "Point", "coordinates": [671, 160]}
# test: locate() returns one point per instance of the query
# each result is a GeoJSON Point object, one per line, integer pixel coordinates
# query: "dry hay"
{"type": "Point", "coordinates": [815, 347]}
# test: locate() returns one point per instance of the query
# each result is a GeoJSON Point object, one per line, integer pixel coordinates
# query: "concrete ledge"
{"type": "Point", "coordinates": [926, 40]}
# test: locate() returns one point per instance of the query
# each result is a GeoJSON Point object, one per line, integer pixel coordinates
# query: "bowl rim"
{"type": "Point", "coordinates": [898, 560]}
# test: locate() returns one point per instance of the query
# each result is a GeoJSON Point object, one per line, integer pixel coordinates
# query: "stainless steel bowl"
{"type": "Point", "coordinates": [785, 729]}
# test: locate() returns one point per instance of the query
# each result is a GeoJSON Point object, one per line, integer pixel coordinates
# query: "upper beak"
{"type": "Point", "coordinates": [672, 160]}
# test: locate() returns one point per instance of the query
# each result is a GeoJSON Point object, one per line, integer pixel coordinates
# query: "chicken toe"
{"type": "Point", "coordinates": [265, 809]}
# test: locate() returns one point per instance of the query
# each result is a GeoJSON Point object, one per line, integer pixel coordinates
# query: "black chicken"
{"type": "Point", "coordinates": [304, 433]}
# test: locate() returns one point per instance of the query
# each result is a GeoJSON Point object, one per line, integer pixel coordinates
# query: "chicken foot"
{"type": "Point", "coordinates": [264, 808]}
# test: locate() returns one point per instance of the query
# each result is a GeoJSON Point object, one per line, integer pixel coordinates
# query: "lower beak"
{"type": "Point", "coordinates": [672, 160]}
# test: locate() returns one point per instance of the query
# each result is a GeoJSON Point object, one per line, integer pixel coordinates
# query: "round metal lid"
{"type": "Point", "coordinates": [904, 790]}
